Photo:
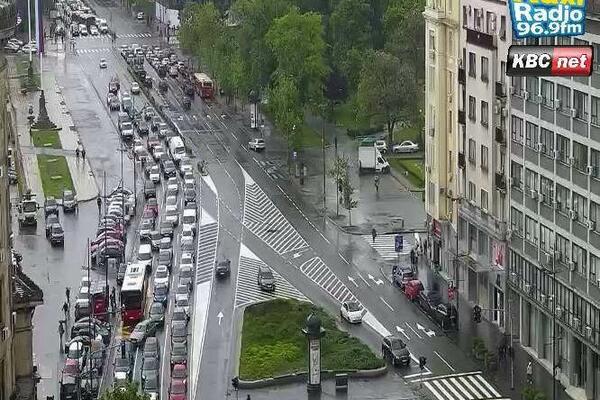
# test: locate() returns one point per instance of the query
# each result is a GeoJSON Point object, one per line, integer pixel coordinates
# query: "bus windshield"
{"type": "Point", "coordinates": [131, 300]}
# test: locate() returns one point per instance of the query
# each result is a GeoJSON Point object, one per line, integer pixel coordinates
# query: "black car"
{"type": "Point", "coordinates": [179, 315]}
{"type": "Point", "coordinates": [50, 206]}
{"type": "Point", "coordinates": [189, 195]}
{"type": "Point", "coordinates": [57, 235]}
{"type": "Point", "coordinates": [69, 201]}
{"type": "Point", "coordinates": [143, 127]}
{"type": "Point", "coordinates": [165, 257]}
{"type": "Point", "coordinates": [51, 220]}
{"type": "Point", "coordinates": [429, 299]}
{"type": "Point", "coordinates": [156, 121]}
{"type": "Point", "coordinates": [166, 229]}
{"type": "Point", "coordinates": [394, 349]}
{"type": "Point", "coordinates": [169, 169]}
{"type": "Point", "coordinates": [149, 189]}
{"type": "Point", "coordinates": [223, 268]}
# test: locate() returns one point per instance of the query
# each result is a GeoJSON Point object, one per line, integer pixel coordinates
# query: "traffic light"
{"type": "Point", "coordinates": [422, 362]}
{"type": "Point", "coordinates": [477, 314]}
{"type": "Point", "coordinates": [235, 382]}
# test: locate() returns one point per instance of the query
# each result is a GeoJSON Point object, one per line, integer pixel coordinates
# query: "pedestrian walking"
{"type": "Point", "coordinates": [65, 308]}
{"type": "Point", "coordinates": [77, 153]}
{"type": "Point", "coordinates": [530, 373]}
{"type": "Point", "coordinates": [61, 332]}
{"type": "Point", "coordinates": [377, 183]}
{"type": "Point", "coordinates": [374, 234]}
{"type": "Point", "coordinates": [99, 202]}
{"type": "Point", "coordinates": [412, 256]}
{"type": "Point", "coordinates": [83, 154]}
{"type": "Point", "coordinates": [68, 294]}
{"type": "Point", "coordinates": [248, 397]}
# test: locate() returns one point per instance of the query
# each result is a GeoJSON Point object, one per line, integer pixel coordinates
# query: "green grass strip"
{"type": "Point", "coordinates": [55, 175]}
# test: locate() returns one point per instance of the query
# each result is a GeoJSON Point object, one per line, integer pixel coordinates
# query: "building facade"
{"type": "Point", "coordinates": [554, 189]}
{"type": "Point", "coordinates": [441, 109]}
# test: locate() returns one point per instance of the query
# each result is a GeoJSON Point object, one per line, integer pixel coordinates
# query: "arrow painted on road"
{"type": "Point", "coordinates": [351, 279]}
{"type": "Point", "coordinates": [220, 316]}
{"type": "Point", "coordinates": [296, 255]}
{"type": "Point", "coordinates": [377, 281]}
{"type": "Point", "coordinates": [402, 332]}
{"type": "Point", "coordinates": [426, 331]}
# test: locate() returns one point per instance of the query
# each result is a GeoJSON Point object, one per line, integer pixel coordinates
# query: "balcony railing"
{"type": "Point", "coordinates": [461, 160]}
{"type": "Point", "coordinates": [481, 39]}
{"type": "Point", "coordinates": [500, 89]}
{"type": "Point", "coordinates": [462, 117]}
{"type": "Point", "coordinates": [500, 181]}
{"type": "Point", "coordinates": [501, 136]}
{"type": "Point", "coordinates": [462, 76]}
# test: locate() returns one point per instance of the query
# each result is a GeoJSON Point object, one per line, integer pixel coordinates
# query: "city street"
{"type": "Point", "coordinates": [250, 214]}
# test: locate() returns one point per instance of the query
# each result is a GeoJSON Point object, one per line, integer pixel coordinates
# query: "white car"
{"type": "Point", "coordinates": [83, 30]}
{"type": "Point", "coordinates": [103, 63]}
{"type": "Point", "coordinates": [172, 185]}
{"type": "Point", "coordinates": [352, 311]}
{"type": "Point", "coordinates": [405, 147]}
{"type": "Point", "coordinates": [138, 145]}
{"type": "Point", "coordinates": [172, 216]}
{"type": "Point", "coordinates": [154, 174]}
{"type": "Point", "coordinates": [161, 276]}
{"type": "Point", "coordinates": [157, 152]}
{"type": "Point", "coordinates": [171, 203]}
{"type": "Point", "coordinates": [189, 178]}
{"type": "Point", "coordinates": [187, 237]}
{"type": "Point", "coordinates": [187, 259]}
{"type": "Point", "coordinates": [381, 145]}
{"type": "Point", "coordinates": [257, 145]}
{"type": "Point", "coordinates": [94, 30]}
{"type": "Point", "coordinates": [29, 48]}
{"type": "Point", "coordinates": [135, 88]}
{"type": "Point", "coordinates": [183, 301]}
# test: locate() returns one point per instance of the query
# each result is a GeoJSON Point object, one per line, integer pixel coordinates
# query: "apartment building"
{"type": "Point", "coordinates": [442, 32]}
{"type": "Point", "coordinates": [555, 218]}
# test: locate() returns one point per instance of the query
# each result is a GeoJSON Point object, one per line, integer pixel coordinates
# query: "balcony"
{"type": "Point", "coordinates": [500, 182]}
{"type": "Point", "coordinates": [500, 90]}
{"type": "Point", "coordinates": [482, 218]}
{"type": "Point", "coordinates": [481, 39]}
{"type": "Point", "coordinates": [461, 160]}
{"type": "Point", "coordinates": [462, 117]}
{"type": "Point", "coordinates": [500, 136]}
{"type": "Point", "coordinates": [462, 75]}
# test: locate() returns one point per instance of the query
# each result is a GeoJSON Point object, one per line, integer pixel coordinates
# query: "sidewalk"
{"type": "Point", "coordinates": [84, 182]}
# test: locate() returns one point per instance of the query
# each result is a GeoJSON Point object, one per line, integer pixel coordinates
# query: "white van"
{"type": "Point", "coordinates": [144, 252]}
{"type": "Point", "coordinates": [189, 220]}
{"type": "Point", "coordinates": [176, 148]}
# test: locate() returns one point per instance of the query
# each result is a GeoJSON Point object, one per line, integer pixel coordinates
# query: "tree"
{"type": "Point", "coordinates": [340, 172]}
{"type": "Point", "coordinates": [404, 28]}
{"type": "Point", "coordinates": [284, 103]}
{"type": "Point", "coordinates": [387, 89]}
{"type": "Point", "coordinates": [124, 392]}
{"type": "Point", "coordinates": [201, 31]}
{"type": "Point", "coordinates": [298, 46]}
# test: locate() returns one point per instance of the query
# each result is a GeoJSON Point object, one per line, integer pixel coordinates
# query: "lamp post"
{"type": "Point", "coordinates": [314, 332]}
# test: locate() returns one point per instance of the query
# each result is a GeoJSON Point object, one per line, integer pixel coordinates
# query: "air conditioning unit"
{"type": "Point", "coordinates": [573, 214]}
{"type": "Point", "coordinates": [591, 225]}
{"type": "Point", "coordinates": [541, 147]}
{"type": "Point", "coordinates": [538, 98]}
{"type": "Point", "coordinates": [572, 266]}
{"type": "Point", "coordinates": [504, 112]}
{"type": "Point", "coordinates": [526, 95]}
{"type": "Point", "coordinates": [576, 323]}
{"type": "Point", "coordinates": [508, 234]}
{"type": "Point", "coordinates": [559, 312]}
{"type": "Point", "coordinates": [556, 104]}
{"type": "Point", "coordinates": [533, 194]}
{"type": "Point", "coordinates": [550, 301]}
{"type": "Point", "coordinates": [573, 112]}
{"type": "Point", "coordinates": [511, 90]}
{"type": "Point", "coordinates": [588, 332]}
{"type": "Point", "coordinates": [590, 170]}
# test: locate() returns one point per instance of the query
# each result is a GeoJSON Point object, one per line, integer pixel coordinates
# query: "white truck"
{"type": "Point", "coordinates": [370, 158]}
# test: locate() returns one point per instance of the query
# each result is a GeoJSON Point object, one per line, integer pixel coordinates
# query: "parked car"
{"type": "Point", "coordinates": [401, 274]}
{"type": "Point", "coordinates": [143, 330]}
{"type": "Point", "coordinates": [149, 189]}
{"type": "Point", "coordinates": [179, 333]}
{"type": "Point", "coordinates": [223, 268]}
{"type": "Point", "coordinates": [161, 294]}
{"type": "Point", "coordinates": [57, 235]}
{"type": "Point", "coordinates": [135, 88]}
{"type": "Point", "coordinates": [257, 145]}
{"type": "Point", "coordinates": [103, 64]}
{"type": "Point", "coordinates": [406, 146]}
{"type": "Point", "coordinates": [69, 201]}
{"type": "Point", "coordinates": [394, 349]}
{"type": "Point", "coordinates": [50, 206]}
{"type": "Point", "coordinates": [352, 311]}
{"type": "Point", "coordinates": [152, 348]}
{"type": "Point", "coordinates": [122, 370]}
{"type": "Point", "coordinates": [154, 174]}
{"type": "Point", "coordinates": [382, 146]}
{"type": "Point", "coordinates": [161, 276]}
{"type": "Point", "coordinates": [179, 355]}
{"type": "Point", "coordinates": [412, 289]}
{"type": "Point", "coordinates": [186, 276]}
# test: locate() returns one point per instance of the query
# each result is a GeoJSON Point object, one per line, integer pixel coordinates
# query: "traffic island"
{"type": "Point", "coordinates": [274, 349]}
{"type": "Point", "coordinates": [55, 175]}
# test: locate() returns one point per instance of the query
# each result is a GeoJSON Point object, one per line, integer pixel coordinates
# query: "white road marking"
{"type": "Point", "coordinates": [386, 303]}
{"type": "Point", "coordinates": [402, 331]}
{"type": "Point", "coordinates": [444, 361]}
{"type": "Point", "coordinates": [351, 279]}
{"type": "Point", "coordinates": [460, 386]}
{"type": "Point", "coordinates": [419, 374]}
{"type": "Point", "coordinates": [412, 329]}
{"type": "Point", "coordinates": [432, 390]}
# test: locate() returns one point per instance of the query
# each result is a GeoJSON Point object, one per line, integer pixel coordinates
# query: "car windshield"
{"type": "Point", "coordinates": [56, 229]}
{"type": "Point", "coordinates": [160, 290]}
{"type": "Point", "coordinates": [156, 308]}
{"type": "Point", "coordinates": [178, 388]}
{"type": "Point", "coordinates": [141, 327]}
{"type": "Point", "coordinates": [179, 373]}
{"type": "Point", "coordinates": [185, 273]}
{"type": "Point", "coordinates": [186, 259]}
{"type": "Point", "coordinates": [179, 315]}
{"type": "Point", "coordinates": [396, 344]}
{"type": "Point", "coordinates": [150, 384]}
{"type": "Point", "coordinates": [182, 302]}
{"type": "Point", "coordinates": [52, 219]}
{"type": "Point", "coordinates": [121, 365]}
{"type": "Point", "coordinates": [126, 125]}
{"type": "Point", "coordinates": [150, 364]}
{"type": "Point", "coordinates": [164, 256]}
{"type": "Point", "coordinates": [67, 196]}
{"type": "Point", "coordinates": [267, 275]}
{"type": "Point", "coordinates": [179, 350]}
{"type": "Point", "coordinates": [154, 170]}
{"type": "Point", "coordinates": [169, 164]}
{"type": "Point", "coordinates": [162, 273]}
{"type": "Point", "coordinates": [50, 202]}
{"type": "Point", "coordinates": [354, 306]}
{"type": "Point", "coordinates": [171, 200]}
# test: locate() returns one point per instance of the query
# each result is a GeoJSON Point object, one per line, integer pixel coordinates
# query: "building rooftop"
{"type": "Point", "coordinates": [25, 291]}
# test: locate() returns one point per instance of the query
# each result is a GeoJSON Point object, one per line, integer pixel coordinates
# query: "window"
{"type": "Point", "coordinates": [516, 221]}
{"type": "Point", "coordinates": [563, 148]}
{"type": "Point", "coordinates": [580, 156]}
{"type": "Point", "coordinates": [478, 19]}
{"type": "Point", "coordinates": [563, 196]}
{"type": "Point", "coordinates": [546, 189]}
{"type": "Point", "coordinates": [563, 248]}
{"type": "Point", "coordinates": [595, 213]}
{"type": "Point", "coordinates": [516, 173]}
{"type": "Point", "coordinates": [531, 136]}
{"type": "Point", "coordinates": [547, 41]}
{"type": "Point", "coordinates": [485, 65]}
{"type": "Point", "coordinates": [432, 41]}
{"type": "Point", "coordinates": [472, 151]}
{"type": "Point", "coordinates": [472, 238]}
{"type": "Point", "coordinates": [595, 119]}
{"type": "Point", "coordinates": [545, 238]}
{"type": "Point", "coordinates": [490, 19]}
{"type": "Point", "coordinates": [472, 111]}
{"type": "Point", "coordinates": [547, 141]}
{"type": "Point", "coordinates": [579, 104]}
{"type": "Point", "coordinates": [579, 258]}
{"type": "Point", "coordinates": [531, 233]}
{"type": "Point", "coordinates": [517, 84]}
{"type": "Point", "coordinates": [594, 265]}
{"type": "Point", "coordinates": [472, 65]}
{"type": "Point", "coordinates": [563, 95]}
{"type": "Point", "coordinates": [484, 157]}
{"type": "Point", "coordinates": [531, 179]}
{"type": "Point", "coordinates": [450, 40]}
{"type": "Point", "coordinates": [482, 244]}
{"type": "Point", "coordinates": [484, 113]}
{"type": "Point", "coordinates": [563, 41]}
{"type": "Point", "coordinates": [516, 129]}
{"type": "Point", "coordinates": [472, 192]}
{"type": "Point", "coordinates": [484, 200]}
{"type": "Point", "coordinates": [531, 85]}
{"type": "Point", "coordinates": [595, 163]}
{"type": "Point", "coordinates": [547, 92]}
{"type": "Point", "coordinates": [580, 205]}
{"type": "Point", "coordinates": [465, 17]}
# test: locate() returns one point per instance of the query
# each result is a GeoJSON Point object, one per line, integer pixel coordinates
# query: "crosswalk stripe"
{"type": "Point", "coordinates": [318, 272]}
{"type": "Point", "coordinates": [489, 387]}
{"type": "Point", "coordinates": [205, 256]}
{"type": "Point", "coordinates": [476, 383]}
{"type": "Point", "coordinates": [448, 384]}
{"type": "Point", "coordinates": [461, 386]}
{"type": "Point", "coordinates": [385, 245]}
{"type": "Point", "coordinates": [432, 390]}
{"type": "Point", "coordinates": [470, 391]}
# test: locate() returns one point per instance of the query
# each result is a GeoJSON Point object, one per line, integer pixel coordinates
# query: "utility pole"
{"type": "Point", "coordinates": [324, 167]}
{"type": "Point", "coordinates": [337, 182]}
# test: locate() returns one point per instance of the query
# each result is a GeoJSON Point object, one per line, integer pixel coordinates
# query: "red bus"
{"type": "Point", "coordinates": [99, 300]}
{"type": "Point", "coordinates": [133, 293]}
{"type": "Point", "coordinates": [204, 85]}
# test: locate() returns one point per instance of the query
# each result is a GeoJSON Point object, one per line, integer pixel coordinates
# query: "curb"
{"type": "Point", "coordinates": [302, 376]}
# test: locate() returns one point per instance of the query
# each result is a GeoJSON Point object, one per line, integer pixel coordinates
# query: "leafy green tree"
{"type": "Point", "coordinates": [297, 43]}
{"type": "Point", "coordinates": [349, 36]}
{"type": "Point", "coordinates": [201, 31]}
{"type": "Point", "coordinates": [404, 28]}
{"type": "Point", "coordinates": [124, 392]}
{"type": "Point", "coordinates": [285, 105]}
{"type": "Point", "coordinates": [340, 171]}
{"type": "Point", "coordinates": [387, 89]}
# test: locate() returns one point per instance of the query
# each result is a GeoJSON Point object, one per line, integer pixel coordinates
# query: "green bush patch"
{"type": "Point", "coordinates": [412, 169]}
{"type": "Point", "coordinates": [55, 175]}
{"type": "Point", "coordinates": [273, 343]}
{"type": "Point", "coordinates": [48, 139]}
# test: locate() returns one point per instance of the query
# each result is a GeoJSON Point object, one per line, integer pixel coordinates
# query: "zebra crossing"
{"type": "Point", "coordinates": [207, 246]}
{"type": "Point", "coordinates": [271, 169]}
{"type": "Point", "coordinates": [247, 291]}
{"type": "Point", "coordinates": [263, 219]}
{"type": "Point", "coordinates": [135, 35]}
{"type": "Point", "coordinates": [385, 245]}
{"type": "Point", "coordinates": [463, 386]}
{"type": "Point", "coordinates": [93, 51]}
{"type": "Point", "coordinates": [318, 272]}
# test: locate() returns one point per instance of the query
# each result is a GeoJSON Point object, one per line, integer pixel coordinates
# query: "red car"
{"type": "Point", "coordinates": [152, 205]}
{"type": "Point", "coordinates": [148, 213]}
{"type": "Point", "coordinates": [177, 390]}
{"type": "Point", "coordinates": [107, 241]}
{"type": "Point", "coordinates": [179, 372]}
{"type": "Point", "coordinates": [412, 289]}
{"type": "Point", "coordinates": [111, 233]}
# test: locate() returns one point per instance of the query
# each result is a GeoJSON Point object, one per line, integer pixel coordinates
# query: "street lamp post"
{"type": "Point", "coordinates": [314, 332]}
